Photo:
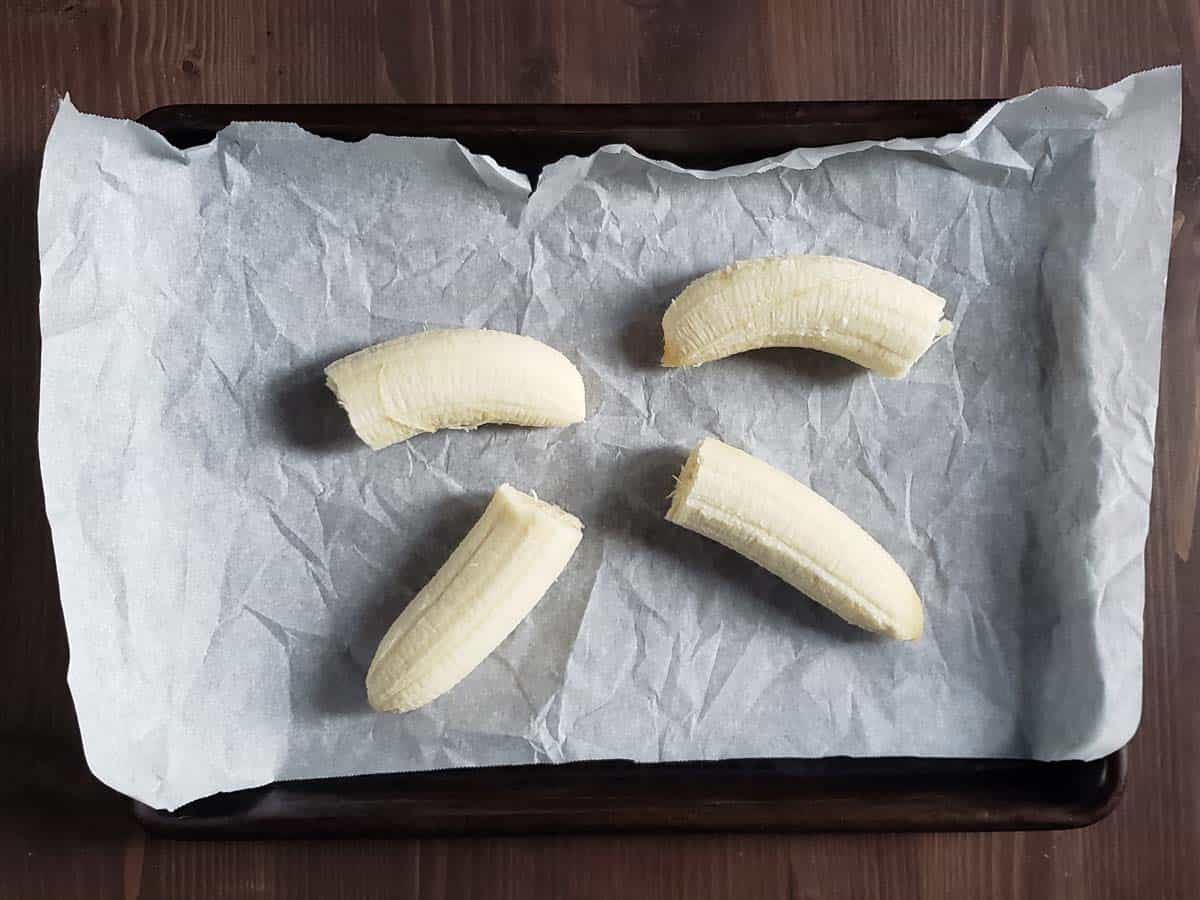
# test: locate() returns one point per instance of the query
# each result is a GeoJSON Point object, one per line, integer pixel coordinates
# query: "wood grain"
{"type": "Point", "coordinates": [62, 835]}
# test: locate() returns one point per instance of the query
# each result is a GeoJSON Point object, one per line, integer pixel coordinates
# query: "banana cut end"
{"type": "Point", "coordinates": [371, 427]}
{"type": "Point", "coordinates": [531, 506]}
{"type": "Point", "coordinates": [684, 482]}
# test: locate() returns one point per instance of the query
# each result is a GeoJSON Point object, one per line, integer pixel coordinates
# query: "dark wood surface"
{"type": "Point", "coordinates": [63, 835]}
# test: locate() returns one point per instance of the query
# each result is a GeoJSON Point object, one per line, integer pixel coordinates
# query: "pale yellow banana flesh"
{"type": "Point", "coordinates": [771, 518]}
{"type": "Point", "coordinates": [872, 317]}
{"type": "Point", "coordinates": [455, 378]}
{"type": "Point", "coordinates": [491, 581]}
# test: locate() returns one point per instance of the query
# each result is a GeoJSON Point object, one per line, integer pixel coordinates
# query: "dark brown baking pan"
{"type": "Point", "coordinates": [834, 794]}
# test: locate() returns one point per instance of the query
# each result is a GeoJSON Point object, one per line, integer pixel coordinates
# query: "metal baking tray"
{"type": "Point", "coordinates": [832, 794]}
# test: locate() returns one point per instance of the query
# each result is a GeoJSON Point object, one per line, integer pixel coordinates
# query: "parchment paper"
{"type": "Point", "coordinates": [229, 555]}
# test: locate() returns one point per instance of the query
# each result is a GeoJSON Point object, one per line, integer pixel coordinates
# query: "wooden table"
{"type": "Point", "coordinates": [62, 835]}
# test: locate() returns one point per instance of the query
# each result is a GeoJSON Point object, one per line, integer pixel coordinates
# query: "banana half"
{"type": "Point", "coordinates": [872, 317]}
{"type": "Point", "coordinates": [767, 516]}
{"type": "Point", "coordinates": [491, 581]}
{"type": "Point", "coordinates": [456, 378]}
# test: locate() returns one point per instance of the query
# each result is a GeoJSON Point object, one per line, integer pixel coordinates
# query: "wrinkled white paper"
{"type": "Point", "coordinates": [229, 554]}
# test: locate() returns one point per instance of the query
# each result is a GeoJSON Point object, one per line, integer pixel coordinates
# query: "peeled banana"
{"type": "Point", "coordinates": [491, 581]}
{"type": "Point", "coordinates": [456, 378]}
{"type": "Point", "coordinates": [767, 516]}
{"type": "Point", "coordinates": [872, 317]}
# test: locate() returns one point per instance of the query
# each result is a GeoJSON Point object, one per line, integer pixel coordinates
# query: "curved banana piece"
{"type": "Point", "coordinates": [872, 317]}
{"type": "Point", "coordinates": [456, 378]}
{"type": "Point", "coordinates": [756, 510]}
{"type": "Point", "coordinates": [499, 572]}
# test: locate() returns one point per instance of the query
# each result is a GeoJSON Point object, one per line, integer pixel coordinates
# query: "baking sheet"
{"type": "Point", "coordinates": [228, 555]}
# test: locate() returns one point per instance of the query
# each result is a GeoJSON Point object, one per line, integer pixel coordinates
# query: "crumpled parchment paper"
{"type": "Point", "coordinates": [229, 555]}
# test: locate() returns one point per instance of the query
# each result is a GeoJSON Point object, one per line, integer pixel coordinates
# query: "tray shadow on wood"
{"type": "Point", "coordinates": [834, 794]}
